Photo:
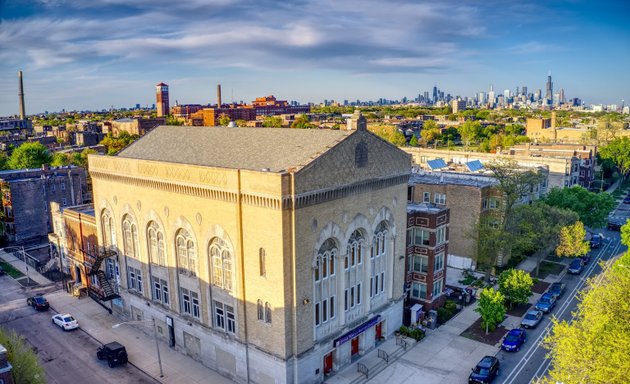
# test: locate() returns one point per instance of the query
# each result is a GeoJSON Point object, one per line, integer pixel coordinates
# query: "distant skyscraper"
{"type": "Point", "coordinates": [537, 95]}
{"type": "Point", "coordinates": [491, 96]}
{"type": "Point", "coordinates": [562, 99]}
{"type": "Point", "coordinates": [435, 94]}
{"type": "Point", "coordinates": [161, 94]}
{"type": "Point", "coordinates": [549, 88]}
{"type": "Point", "coordinates": [524, 91]}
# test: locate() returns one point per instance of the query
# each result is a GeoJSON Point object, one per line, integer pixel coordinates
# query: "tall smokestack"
{"type": "Point", "coordinates": [21, 96]}
{"type": "Point", "coordinates": [219, 95]}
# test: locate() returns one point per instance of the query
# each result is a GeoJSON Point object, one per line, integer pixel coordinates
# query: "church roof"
{"type": "Point", "coordinates": [268, 149]}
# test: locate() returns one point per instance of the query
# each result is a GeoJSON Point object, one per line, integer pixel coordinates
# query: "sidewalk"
{"type": "Point", "coordinates": [137, 338]}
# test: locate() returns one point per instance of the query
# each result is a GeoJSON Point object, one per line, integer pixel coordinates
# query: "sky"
{"type": "Point", "coordinates": [94, 54]}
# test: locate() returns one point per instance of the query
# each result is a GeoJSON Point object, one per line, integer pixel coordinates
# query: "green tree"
{"type": "Point", "coordinates": [172, 120]}
{"type": "Point", "coordinates": [241, 123]}
{"type": "Point", "coordinates": [26, 367]}
{"type": "Point", "coordinates": [272, 122]}
{"type": "Point", "coordinates": [470, 131]}
{"type": "Point", "coordinates": [572, 241]}
{"type": "Point", "coordinates": [618, 151]}
{"type": "Point", "coordinates": [490, 308]}
{"type": "Point", "coordinates": [592, 208]}
{"type": "Point", "coordinates": [413, 142]}
{"type": "Point", "coordinates": [224, 120]}
{"type": "Point", "coordinates": [116, 144]}
{"type": "Point", "coordinates": [593, 347]}
{"type": "Point", "coordinates": [3, 161]}
{"type": "Point", "coordinates": [302, 121]}
{"type": "Point", "coordinates": [29, 155]}
{"type": "Point", "coordinates": [398, 139]}
{"type": "Point", "coordinates": [61, 159]}
{"type": "Point", "coordinates": [516, 286]}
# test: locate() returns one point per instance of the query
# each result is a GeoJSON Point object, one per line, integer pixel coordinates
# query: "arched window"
{"type": "Point", "coordinates": [186, 253]}
{"type": "Point", "coordinates": [221, 261]}
{"type": "Point", "coordinates": [157, 254]}
{"type": "Point", "coordinates": [378, 260]}
{"type": "Point", "coordinates": [353, 271]}
{"type": "Point", "coordinates": [267, 313]}
{"type": "Point", "coordinates": [109, 235]}
{"type": "Point", "coordinates": [325, 280]}
{"type": "Point", "coordinates": [130, 236]}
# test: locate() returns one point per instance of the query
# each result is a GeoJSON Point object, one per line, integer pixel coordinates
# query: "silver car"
{"type": "Point", "coordinates": [531, 319]}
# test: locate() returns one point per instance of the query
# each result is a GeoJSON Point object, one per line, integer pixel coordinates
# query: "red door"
{"type": "Point", "coordinates": [355, 346]}
{"type": "Point", "coordinates": [379, 331]}
{"type": "Point", "coordinates": [328, 363]}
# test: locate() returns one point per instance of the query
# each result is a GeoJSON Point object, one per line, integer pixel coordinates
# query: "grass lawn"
{"type": "Point", "coordinates": [8, 268]}
{"type": "Point", "coordinates": [549, 268]}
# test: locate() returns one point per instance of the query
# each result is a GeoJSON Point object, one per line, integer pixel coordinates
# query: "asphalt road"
{"type": "Point", "coordinates": [530, 364]}
{"type": "Point", "coordinates": [67, 357]}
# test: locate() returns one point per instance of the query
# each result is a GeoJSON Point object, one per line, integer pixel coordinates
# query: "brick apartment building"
{"type": "Point", "coordinates": [135, 126]}
{"type": "Point", "coordinates": [427, 253]}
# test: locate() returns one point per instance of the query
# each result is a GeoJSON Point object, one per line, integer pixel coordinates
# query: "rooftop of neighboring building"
{"type": "Point", "coordinates": [30, 173]}
{"type": "Point", "coordinates": [466, 179]}
{"type": "Point", "coordinates": [269, 149]}
{"type": "Point", "coordinates": [425, 208]}
{"type": "Point", "coordinates": [84, 209]}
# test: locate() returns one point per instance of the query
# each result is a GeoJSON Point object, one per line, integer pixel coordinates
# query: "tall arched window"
{"type": "Point", "coordinates": [157, 253]}
{"type": "Point", "coordinates": [378, 260]}
{"type": "Point", "coordinates": [353, 271]}
{"type": "Point", "coordinates": [325, 279]}
{"type": "Point", "coordinates": [130, 236]}
{"type": "Point", "coordinates": [109, 235]}
{"type": "Point", "coordinates": [261, 314]}
{"type": "Point", "coordinates": [221, 261]}
{"type": "Point", "coordinates": [262, 262]}
{"type": "Point", "coordinates": [186, 253]}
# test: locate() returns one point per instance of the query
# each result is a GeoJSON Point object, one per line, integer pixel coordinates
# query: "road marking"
{"type": "Point", "coordinates": [529, 354]}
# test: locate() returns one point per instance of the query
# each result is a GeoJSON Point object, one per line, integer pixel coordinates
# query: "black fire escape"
{"type": "Point", "coordinates": [104, 291]}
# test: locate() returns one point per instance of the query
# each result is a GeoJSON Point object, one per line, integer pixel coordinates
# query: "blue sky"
{"type": "Point", "coordinates": [92, 54]}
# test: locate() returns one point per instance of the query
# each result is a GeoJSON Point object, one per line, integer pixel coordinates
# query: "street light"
{"type": "Point", "coordinates": [28, 279]}
{"type": "Point", "coordinates": [157, 344]}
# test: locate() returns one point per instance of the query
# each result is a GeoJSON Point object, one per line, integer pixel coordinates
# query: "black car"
{"type": "Point", "coordinates": [615, 223]}
{"type": "Point", "coordinates": [485, 371]}
{"type": "Point", "coordinates": [596, 241]}
{"type": "Point", "coordinates": [38, 302]}
{"type": "Point", "coordinates": [114, 352]}
{"type": "Point", "coordinates": [557, 289]}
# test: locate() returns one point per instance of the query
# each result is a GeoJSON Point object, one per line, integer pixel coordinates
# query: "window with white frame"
{"type": "Point", "coordinates": [160, 290]}
{"type": "Point", "coordinates": [325, 281]}
{"type": "Point", "coordinates": [224, 317]}
{"type": "Point", "coordinates": [493, 203]}
{"type": "Point", "coordinates": [186, 253]}
{"type": "Point", "coordinates": [437, 288]}
{"type": "Point", "coordinates": [190, 302]}
{"type": "Point", "coordinates": [426, 197]}
{"type": "Point", "coordinates": [420, 263]}
{"type": "Point", "coordinates": [63, 186]}
{"type": "Point", "coordinates": [130, 237]}
{"type": "Point", "coordinates": [440, 235]}
{"type": "Point", "coordinates": [353, 270]}
{"type": "Point", "coordinates": [378, 260]}
{"type": "Point", "coordinates": [439, 262]}
{"type": "Point", "coordinates": [439, 198]}
{"type": "Point", "coordinates": [157, 252]}
{"type": "Point", "coordinates": [418, 236]}
{"type": "Point", "coordinates": [109, 236]}
{"type": "Point", "coordinates": [418, 290]}
{"type": "Point", "coordinates": [134, 279]}
{"type": "Point", "coordinates": [221, 261]}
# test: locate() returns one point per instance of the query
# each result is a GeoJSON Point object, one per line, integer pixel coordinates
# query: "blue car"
{"type": "Point", "coordinates": [546, 303]}
{"type": "Point", "coordinates": [514, 340]}
{"type": "Point", "coordinates": [576, 266]}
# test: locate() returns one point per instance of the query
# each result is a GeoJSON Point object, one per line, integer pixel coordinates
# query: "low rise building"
{"type": "Point", "coordinates": [135, 126]}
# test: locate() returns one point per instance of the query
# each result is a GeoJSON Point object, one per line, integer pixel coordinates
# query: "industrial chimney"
{"type": "Point", "coordinates": [21, 96]}
{"type": "Point", "coordinates": [218, 95]}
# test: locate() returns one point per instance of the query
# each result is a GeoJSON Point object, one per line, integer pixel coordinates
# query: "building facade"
{"type": "Point", "coordinates": [27, 194]}
{"type": "Point", "coordinates": [161, 100]}
{"type": "Point", "coordinates": [427, 254]}
{"type": "Point", "coordinates": [277, 259]}
{"type": "Point", "coordinates": [135, 126]}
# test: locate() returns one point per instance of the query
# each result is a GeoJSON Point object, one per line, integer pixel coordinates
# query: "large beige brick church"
{"type": "Point", "coordinates": [270, 255]}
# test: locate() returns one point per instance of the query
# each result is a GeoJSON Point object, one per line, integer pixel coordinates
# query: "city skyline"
{"type": "Point", "coordinates": [79, 56]}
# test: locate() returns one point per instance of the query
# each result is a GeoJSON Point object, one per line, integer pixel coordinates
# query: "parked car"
{"type": "Point", "coordinates": [615, 223]}
{"type": "Point", "coordinates": [576, 266]}
{"type": "Point", "coordinates": [114, 352]}
{"type": "Point", "coordinates": [557, 289]}
{"type": "Point", "coordinates": [485, 371]}
{"type": "Point", "coordinates": [514, 340]}
{"type": "Point", "coordinates": [38, 302]}
{"type": "Point", "coordinates": [596, 241]}
{"type": "Point", "coordinates": [546, 303]}
{"type": "Point", "coordinates": [626, 199]}
{"type": "Point", "coordinates": [531, 319]}
{"type": "Point", "coordinates": [585, 259]}
{"type": "Point", "coordinates": [66, 322]}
